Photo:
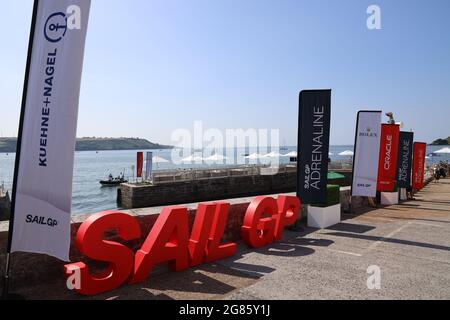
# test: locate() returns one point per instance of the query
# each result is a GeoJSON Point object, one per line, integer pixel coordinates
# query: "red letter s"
{"type": "Point", "coordinates": [90, 242]}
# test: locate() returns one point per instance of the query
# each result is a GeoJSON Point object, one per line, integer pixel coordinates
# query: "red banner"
{"type": "Point", "coordinates": [387, 166]}
{"type": "Point", "coordinates": [420, 150]}
{"type": "Point", "coordinates": [140, 164]}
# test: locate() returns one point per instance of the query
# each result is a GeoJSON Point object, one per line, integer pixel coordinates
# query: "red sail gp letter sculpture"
{"type": "Point", "coordinates": [91, 243]}
{"type": "Point", "coordinates": [215, 250]}
{"type": "Point", "coordinates": [169, 240]}
{"type": "Point", "coordinates": [266, 219]}
{"type": "Point", "coordinates": [288, 214]}
{"type": "Point", "coordinates": [259, 222]}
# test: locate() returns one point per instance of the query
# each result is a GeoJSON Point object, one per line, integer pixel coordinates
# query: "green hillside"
{"type": "Point", "coordinates": [96, 144]}
{"type": "Point", "coordinates": [441, 142]}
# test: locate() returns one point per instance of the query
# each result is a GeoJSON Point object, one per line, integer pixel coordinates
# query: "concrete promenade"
{"type": "Point", "coordinates": [410, 243]}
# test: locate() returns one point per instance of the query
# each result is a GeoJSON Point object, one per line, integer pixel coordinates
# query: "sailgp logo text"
{"type": "Point", "coordinates": [58, 23]}
{"type": "Point", "coordinates": [41, 221]}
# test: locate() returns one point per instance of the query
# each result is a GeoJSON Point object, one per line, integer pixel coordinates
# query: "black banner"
{"type": "Point", "coordinates": [404, 163]}
{"type": "Point", "coordinates": [313, 145]}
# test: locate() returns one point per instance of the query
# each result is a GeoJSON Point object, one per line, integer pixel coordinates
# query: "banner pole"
{"type": "Point", "coordinates": [6, 276]}
{"type": "Point", "coordinates": [350, 205]}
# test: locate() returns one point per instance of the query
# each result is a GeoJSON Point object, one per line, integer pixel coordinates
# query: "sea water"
{"type": "Point", "coordinates": [91, 167]}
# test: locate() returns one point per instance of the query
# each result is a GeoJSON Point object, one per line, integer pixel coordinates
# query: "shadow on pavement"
{"type": "Point", "coordinates": [419, 208]}
{"type": "Point", "coordinates": [417, 219]}
{"type": "Point", "coordinates": [352, 228]}
{"type": "Point", "coordinates": [389, 240]}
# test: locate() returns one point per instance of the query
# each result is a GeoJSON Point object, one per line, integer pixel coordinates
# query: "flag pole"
{"type": "Point", "coordinates": [6, 276]}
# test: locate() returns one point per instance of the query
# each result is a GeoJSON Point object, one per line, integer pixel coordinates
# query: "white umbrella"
{"type": "Point", "coordinates": [192, 159]}
{"type": "Point", "coordinates": [157, 159]}
{"type": "Point", "coordinates": [273, 154]}
{"type": "Point", "coordinates": [291, 154]}
{"type": "Point", "coordinates": [216, 157]}
{"type": "Point", "coordinates": [445, 150]}
{"type": "Point", "coordinates": [253, 156]}
{"type": "Point", "coordinates": [347, 153]}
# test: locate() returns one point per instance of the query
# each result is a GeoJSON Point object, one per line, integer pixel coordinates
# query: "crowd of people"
{"type": "Point", "coordinates": [441, 170]}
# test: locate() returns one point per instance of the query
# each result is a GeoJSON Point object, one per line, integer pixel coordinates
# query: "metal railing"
{"type": "Point", "coordinates": [184, 175]}
{"type": "Point", "coordinates": [168, 176]}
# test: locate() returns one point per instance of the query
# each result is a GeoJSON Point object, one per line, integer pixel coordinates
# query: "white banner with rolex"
{"type": "Point", "coordinates": [43, 196]}
{"type": "Point", "coordinates": [367, 150]}
{"type": "Point", "coordinates": [149, 166]}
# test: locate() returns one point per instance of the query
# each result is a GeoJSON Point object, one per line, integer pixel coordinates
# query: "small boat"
{"type": "Point", "coordinates": [113, 182]}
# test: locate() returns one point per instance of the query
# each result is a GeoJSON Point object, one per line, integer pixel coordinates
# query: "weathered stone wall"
{"type": "Point", "coordinates": [135, 196]}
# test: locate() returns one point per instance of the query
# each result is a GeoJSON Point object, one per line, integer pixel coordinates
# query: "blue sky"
{"type": "Point", "coordinates": [154, 66]}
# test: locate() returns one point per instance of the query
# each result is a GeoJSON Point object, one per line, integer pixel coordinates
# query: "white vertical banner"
{"type": "Point", "coordinates": [149, 166]}
{"type": "Point", "coordinates": [367, 150]}
{"type": "Point", "coordinates": [43, 197]}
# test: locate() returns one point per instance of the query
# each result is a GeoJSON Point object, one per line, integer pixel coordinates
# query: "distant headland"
{"type": "Point", "coordinates": [441, 142]}
{"type": "Point", "coordinates": [96, 144]}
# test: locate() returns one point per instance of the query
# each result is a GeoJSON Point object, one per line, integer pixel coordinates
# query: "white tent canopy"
{"type": "Point", "coordinates": [273, 154]}
{"type": "Point", "coordinates": [347, 153]}
{"type": "Point", "coordinates": [254, 156]}
{"type": "Point", "coordinates": [158, 159]}
{"type": "Point", "coordinates": [192, 159]}
{"type": "Point", "coordinates": [291, 154]}
{"type": "Point", "coordinates": [445, 150]}
{"type": "Point", "coordinates": [216, 157]}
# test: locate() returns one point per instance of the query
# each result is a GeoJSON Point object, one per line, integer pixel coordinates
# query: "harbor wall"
{"type": "Point", "coordinates": [34, 269]}
{"type": "Point", "coordinates": [212, 188]}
